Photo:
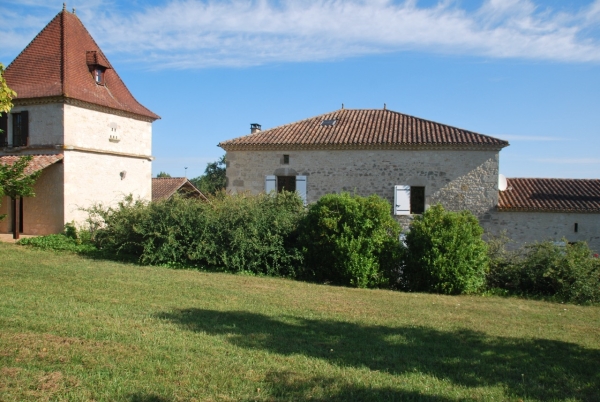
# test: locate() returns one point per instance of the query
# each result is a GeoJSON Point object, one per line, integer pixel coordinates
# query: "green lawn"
{"type": "Point", "coordinates": [77, 329]}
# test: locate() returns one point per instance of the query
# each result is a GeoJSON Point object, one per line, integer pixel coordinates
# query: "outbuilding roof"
{"type": "Point", "coordinates": [164, 188]}
{"type": "Point", "coordinates": [551, 195]}
{"type": "Point", "coordinates": [58, 62]}
{"type": "Point", "coordinates": [360, 129]}
{"type": "Point", "coordinates": [38, 162]}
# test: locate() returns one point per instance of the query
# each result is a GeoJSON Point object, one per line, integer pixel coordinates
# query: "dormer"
{"type": "Point", "coordinates": [97, 65]}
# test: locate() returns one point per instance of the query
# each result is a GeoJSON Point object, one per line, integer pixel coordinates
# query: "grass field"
{"type": "Point", "coordinates": [77, 329]}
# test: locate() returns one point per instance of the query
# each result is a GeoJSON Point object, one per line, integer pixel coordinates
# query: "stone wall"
{"type": "Point", "coordinates": [42, 214]}
{"type": "Point", "coordinates": [45, 124]}
{"type": "Point", "coordinates": [95, 178]}
{"type": "Point", "coordinates": [91, 129]}
{"type": "Point", "coordinates": [456, 179]}
{"type": "Point", "coordinates": [529, 227]}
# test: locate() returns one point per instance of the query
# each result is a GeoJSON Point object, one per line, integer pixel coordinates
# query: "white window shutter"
{"type": "Point", "coordinates": [401, 200]}
{"type": "Point", "coordinates": [301, 187]}
{"type": "Point", "coordinates": [270, 184]}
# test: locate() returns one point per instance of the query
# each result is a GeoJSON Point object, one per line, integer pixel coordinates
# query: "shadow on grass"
{"type": "Point", "coordinates": [536, 368]}
{"type": "Point", "coordinates": [287, 386]}
{"type": "Point", "coordinates": [139, 397]}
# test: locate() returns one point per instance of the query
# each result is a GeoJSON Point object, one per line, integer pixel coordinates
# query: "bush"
{"type": "Point", "coordinates": [445, 253]}
{"type": "Point", "coordinates": [559, 270]}
{"type": "Point", "coordinates": [240, 233]}
{"type": "Point", "coordinates": [67, 241]}
{"type": "Point", "coordinates": [350, 240]}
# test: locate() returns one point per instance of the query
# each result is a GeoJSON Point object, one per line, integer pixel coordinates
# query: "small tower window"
{"type": "Point", "coordinates": [99, 75]}
{"type": "Point", "coordinates": [286, 159]}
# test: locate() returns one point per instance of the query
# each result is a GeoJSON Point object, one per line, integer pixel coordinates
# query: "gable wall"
{"type": "Point", "coordinates": [456, 179]}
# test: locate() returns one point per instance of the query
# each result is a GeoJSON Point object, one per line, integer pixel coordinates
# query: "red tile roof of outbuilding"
{"type": "Point", "coordinates": [55, 63]}
{"type": "Point", "coordinates": [38, 162]}
{"type": "Point", "coordinates": [362, 128]}
{"type": "Point", "coordinates": [551, 195]}
{"type": "Point", "coordinates": [164, 188]}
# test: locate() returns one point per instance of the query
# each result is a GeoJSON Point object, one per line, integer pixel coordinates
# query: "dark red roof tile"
{"type": "Point", "coordinates": [551, 195]}
{"type": "Point", "coordinates": [164, 187]}
{"type": "Point", "coordinates": [55, 63]}
{"type": "Point", "coordinates": [362, 128]}
{"type": "Point", "coordinates": [39, 162]}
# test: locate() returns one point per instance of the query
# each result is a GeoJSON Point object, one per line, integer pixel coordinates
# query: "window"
{"type": "Point", "coordinates": [417, 200]}
{"type": "Point", "coordinates": [20, 129]}
{"type": "Point", "coordinates": [288, 183]}
{"type": "Point", "coordinates": [286, 159]}
{"type": "Point", "coordinates": [409, 200]}
{"type": "Point", "coordinates": [99, 75]}
{"type": "Point", "coordinates": [328, 122]}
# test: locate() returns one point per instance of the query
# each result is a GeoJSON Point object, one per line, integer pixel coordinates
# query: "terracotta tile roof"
{"type": "Point", "coordinates": [362, 128]}
{"type": "Point", "coordinates": [551, 195]}
{"type": "Point", "coordinates": [164, 187]}
{"type": "Point", "coordinates": [39, 162]}
{"type": "Point", "coordinates": [55, 63]}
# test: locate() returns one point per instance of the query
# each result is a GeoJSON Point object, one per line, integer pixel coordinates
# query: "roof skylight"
{"type": "Point", "coordinates": [328, 122]}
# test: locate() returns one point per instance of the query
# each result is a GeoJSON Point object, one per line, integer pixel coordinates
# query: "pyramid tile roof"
{"type": "Point", "coordinates": [55, 63]}
{"type": "Point", "coordinates": [362, 129]}
{"type": "Point", "coordinates": [551, 195]}
{"type": "Point", "coordinates": [39, 162]}
{"type": "Point", "coordinates": [164, 187]}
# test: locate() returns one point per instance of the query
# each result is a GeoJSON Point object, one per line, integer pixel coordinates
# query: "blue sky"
{"type": "Point", "coordinates": [527, 71]}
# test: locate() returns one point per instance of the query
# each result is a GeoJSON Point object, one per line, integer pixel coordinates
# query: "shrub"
{"type": "Point", "coordinates": [60, 242]}
{"type": "Point", "coordinates": [239, 233]}
{"type": "Point", "coordinates": [565, 272]}
{"type": "Point", "coordinates": [350, 240]}
{"type": "Point", "coordinates": [445, 253]}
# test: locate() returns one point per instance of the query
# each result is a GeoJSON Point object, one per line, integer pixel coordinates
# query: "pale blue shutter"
{"type": "Point", "coordinates": [270, 184]}
{"type": "Point", "coordinates": [401, 200]}
{"type": "Point", "coordinates": [301, 187]}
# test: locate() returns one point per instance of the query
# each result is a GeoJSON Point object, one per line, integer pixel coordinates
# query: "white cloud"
{"type": "Point", "coordinates": [196, 34]}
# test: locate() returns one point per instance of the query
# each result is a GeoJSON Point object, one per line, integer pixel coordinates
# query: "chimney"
{"type": "Point", "coordinates": [254, 128]}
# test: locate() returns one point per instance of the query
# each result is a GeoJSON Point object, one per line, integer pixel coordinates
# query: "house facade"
{"type": "Point", "coordinates": [411, 162]}
{"type": "Point", "coordinates": [73, 108]}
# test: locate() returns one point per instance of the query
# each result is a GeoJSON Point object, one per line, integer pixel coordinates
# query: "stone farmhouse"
{"type": "Point", "coordinates": [414, 163]}
{"type": "Point", "coordinates": [87, 133]}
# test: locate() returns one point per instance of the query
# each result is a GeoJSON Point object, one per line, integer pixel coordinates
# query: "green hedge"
{"type": "Point", "coordinates": [237, 233]}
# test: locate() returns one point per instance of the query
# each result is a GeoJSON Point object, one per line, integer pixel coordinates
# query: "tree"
{"type": "Point", "coordinates": [163, 174]}
{"type": "Point", "coordinates": [15, 182]}
{"type": "Point", "coordinates": [214, 179]}
{"type": "Point", "coordinates": [6, 94]}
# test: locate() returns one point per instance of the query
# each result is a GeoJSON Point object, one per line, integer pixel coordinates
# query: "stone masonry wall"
{"type": "Point", "coordinates": [45, 124]}
{"type": "Point", "coordinates": [456, 179]}
{"type": "Point", "coordinates": [43, 214]}
{"type": "Point", "coordinates": [529, 227]}
{"type": "Point", "coordinates": [107, 132]}
{"type": "Point", "coordinates": [96, 178]}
